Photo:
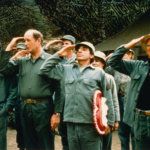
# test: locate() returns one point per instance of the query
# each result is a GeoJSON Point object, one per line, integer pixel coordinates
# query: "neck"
{"type": "Point", "coordinates": [37, 53]}
{"type": "Point", "coordinates": [84, 63]}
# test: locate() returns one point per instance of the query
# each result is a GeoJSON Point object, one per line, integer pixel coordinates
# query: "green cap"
{"type": "Point", "coordinates": [88, 44]}
{"type": "Point", "coordinates": [69, 38]}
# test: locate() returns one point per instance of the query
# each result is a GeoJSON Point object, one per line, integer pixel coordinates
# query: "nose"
{"type": "Point", "coordinates": [79, 50]}
{"type": "Point", "coordinates": [25, 43]}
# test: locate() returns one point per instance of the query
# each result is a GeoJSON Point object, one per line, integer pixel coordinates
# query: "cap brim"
{"type": "Point", "coordinates": [67, 40]}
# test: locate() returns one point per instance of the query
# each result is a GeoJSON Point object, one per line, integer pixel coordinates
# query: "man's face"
{"type": "Point", "coordinates": [66, 43]}
{"type": "Point", "coordinates": [31, 43]}
{"type": "Point", "coordinates": [148, 48]}
{"type": "Point", "coordinates": [83, 53]}
{"type": "Point", "coordinates": [98, 63]}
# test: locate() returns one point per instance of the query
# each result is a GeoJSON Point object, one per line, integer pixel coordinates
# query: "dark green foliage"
{"type": "Point", "coordinates": [15, 20]}
{"type": "Point", "coordinates": [93, 20]}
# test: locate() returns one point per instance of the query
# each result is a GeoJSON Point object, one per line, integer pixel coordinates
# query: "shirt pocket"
{"type": "Point", "coordinates": [69, 85]}
{"type": "Point", "coordinates": [89, 86]}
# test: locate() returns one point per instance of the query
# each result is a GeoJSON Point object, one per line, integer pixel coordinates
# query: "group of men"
{"type": "Point", "coordinates": [57, 91]}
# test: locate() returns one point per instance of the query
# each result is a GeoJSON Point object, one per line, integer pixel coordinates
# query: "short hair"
{"type": "Point", "coordinates": [36, 34]}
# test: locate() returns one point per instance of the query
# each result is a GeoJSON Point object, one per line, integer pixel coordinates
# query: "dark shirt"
{"type": "Point", "coordinates": [31, 84]}
{"type": "Point", "coordinates": [143, 102]}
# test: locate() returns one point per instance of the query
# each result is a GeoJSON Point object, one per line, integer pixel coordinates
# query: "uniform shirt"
{"type": "Point", "coordinates": [137, 70]}
{"type": "Point", "coordinates": [31, 84]}
{"type": "Point", "coordinates": [79, 89]}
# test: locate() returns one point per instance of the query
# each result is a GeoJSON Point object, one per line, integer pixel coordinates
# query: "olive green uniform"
{"type": "Point", "coordinates": [37, 104]}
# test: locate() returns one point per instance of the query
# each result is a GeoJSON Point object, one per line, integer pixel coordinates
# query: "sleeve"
{"type": "Point", "coordinates": [58, 103]}
{"type": "Point", "coordinates": [107, 95]}
{"type": "Point", "coordinates": [116, 62]}
{"type": "Point", "coordinates": [11, 91]}
{"type": "Point", "coordinates": [115, 99]}
{"type": "Point", "coordinates": [52, 68]}
{"type": "Point", "coordinates": [7, 67]}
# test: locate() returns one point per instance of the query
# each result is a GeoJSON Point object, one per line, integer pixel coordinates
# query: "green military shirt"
{"type": "Point", "coordinates": [31, 84]}
{"type": "Point", "coordinates": [79, 89]}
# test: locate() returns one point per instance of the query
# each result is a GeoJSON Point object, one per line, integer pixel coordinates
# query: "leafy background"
{"type": "Point", "coordinates": [93, 20]}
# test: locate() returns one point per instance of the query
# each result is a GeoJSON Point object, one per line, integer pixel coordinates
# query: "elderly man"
{"type": "Point", "coordinates": [35, 91]}
{"type": "Point", "coordinates": [137, 111]}
{"type": "Point", "coordinates": [81, 82]}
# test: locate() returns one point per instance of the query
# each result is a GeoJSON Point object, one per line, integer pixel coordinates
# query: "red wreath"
{"type": "Point", "coordinates": [100, 112]}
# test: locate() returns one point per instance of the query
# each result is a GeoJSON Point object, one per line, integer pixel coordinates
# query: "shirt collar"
{"type": "Point", "coordinates": [42, 56]}
{"type": "Point", "coordinates": [89, 66]}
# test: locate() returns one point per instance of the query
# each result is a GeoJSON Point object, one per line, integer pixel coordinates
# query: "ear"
{"type": "Point", "coordinates": [39, 40]}
{"type": "Point", "coordinates": [92, 56]}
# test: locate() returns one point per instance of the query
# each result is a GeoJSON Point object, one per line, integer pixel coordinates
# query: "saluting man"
{"type": "Point", "coordinates": [36, 92]}
{"type": "Point", "coordinates": [81, 82]}
{"type": "Point", "coordinates": [137, 111]}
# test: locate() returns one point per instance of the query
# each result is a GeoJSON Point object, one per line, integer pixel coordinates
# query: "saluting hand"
{"type": "Point", "coordinates": [13, 43]}
{"type": "Point", "coordinates": [53, 42]}
{"type": "Point", "coordinates": [64, 51]}
{"type": "Point", "coordinates": [133, 42]}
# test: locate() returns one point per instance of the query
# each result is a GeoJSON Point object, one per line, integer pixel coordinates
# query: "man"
{"type": "Point", "coordinates": [123, 81]}
{"type": "Point", "coordinates": [19, 136]}
{"type": "Point", "coordinates": [137, 111]}
{"type": "Point", "coordinates": [70, 58]}
{"type": "Point", "coordinates": [8, 92]}
{"type": "Point", "coordinates": [100, 61]}
{"type": "Point", "coordinates": [35, 92]}
{"type": "Point", "coordinates": [81, 82]}
{"type": "Point", "coordinates": [64, 41]}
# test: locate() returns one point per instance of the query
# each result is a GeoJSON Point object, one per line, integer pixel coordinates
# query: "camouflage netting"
{"type": "Point", "coordinates": [93, 20]}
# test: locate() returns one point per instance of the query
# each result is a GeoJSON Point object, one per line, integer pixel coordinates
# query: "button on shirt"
{"type": "Point", "coordinates": [31, 84]}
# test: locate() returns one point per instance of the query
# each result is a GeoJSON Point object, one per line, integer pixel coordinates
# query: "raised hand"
{"type": "Point", "coordinates": [64, 51]}
{"type": "Point", "coordinates": [53, 42]}
{"type": "Point", "coordinates": [12, 45]}
{"type": "Point", "coordinates": [133, 42]}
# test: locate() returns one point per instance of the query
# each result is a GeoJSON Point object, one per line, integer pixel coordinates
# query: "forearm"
{"type": "Point", "coordinates": [107, 95]}
{"type": "Point", "coordinates": [115, 61]}
{"type": "Point", "coordinates": [52, 68]}
{"type": "Point", "coordinates": [115, 100]}
{"type": "Point", "coordinates": [58, 101]}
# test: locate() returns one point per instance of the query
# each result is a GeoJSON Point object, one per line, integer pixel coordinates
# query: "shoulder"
{"type": "Point", "coordinates": [46, 55]}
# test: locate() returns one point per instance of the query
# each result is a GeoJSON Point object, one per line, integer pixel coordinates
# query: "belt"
{"type": "Point", "coordinates": [142, 112]}
{"type": "Point", "coordinates": [34, 101]}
